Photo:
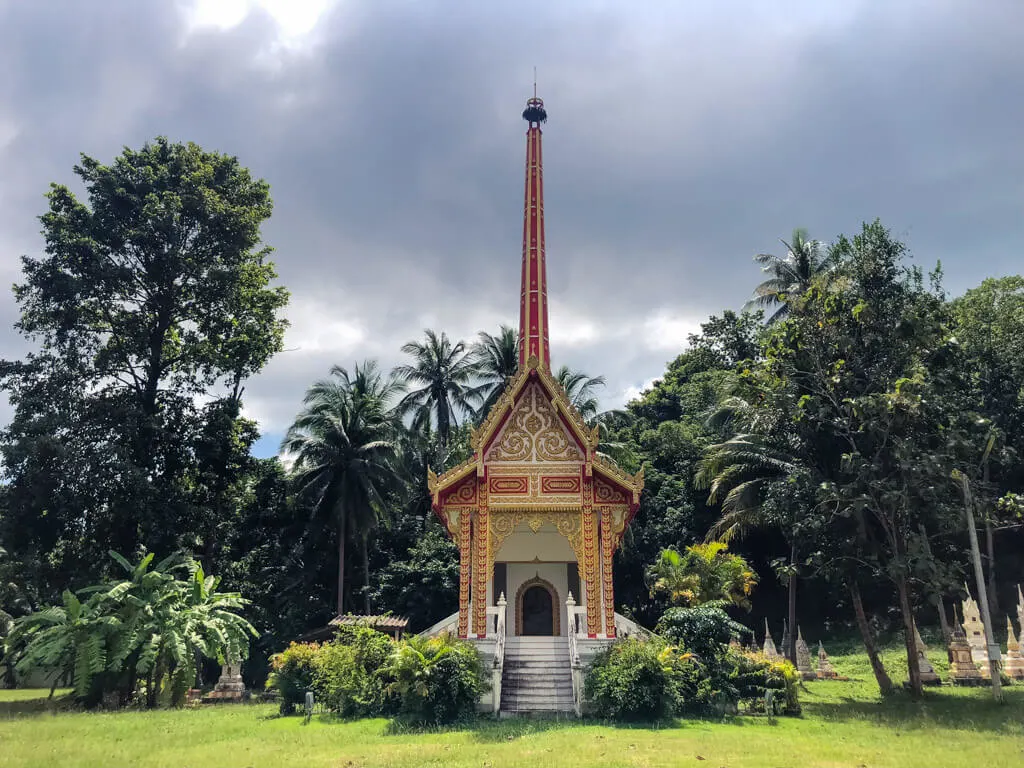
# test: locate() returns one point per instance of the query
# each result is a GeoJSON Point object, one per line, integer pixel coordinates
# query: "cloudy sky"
{"type": "Point", "coordinates": [683, 138]}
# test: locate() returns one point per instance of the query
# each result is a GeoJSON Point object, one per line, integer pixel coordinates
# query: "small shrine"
{"type": "Point", "coordinates": [1014, 663]}
{"type": "Point", "coordinates": [825, 670]}
{"type": "Point", "coordinates": [803, 657]}
{"type": "Point", "coordinates": [962, 669]}
{"type": "Point", "coordinates": [974, 630]}
{"type": "Point", "coordinates": [769, 649]}
{"type": "Point", "coordinates": [229, 686]}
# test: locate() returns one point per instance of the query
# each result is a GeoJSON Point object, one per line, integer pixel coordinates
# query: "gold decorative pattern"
{"type": "Point", "coordinates": [481, 564]}
{"type": "Point", "coordinates": [556, 606]}
{"type": "Point", "coordinates": [590, 573]}
{"type": "Point", "coordinates": [608, 587]}
{"type": "Point", "coordinates": [503, 524]}
{"type": "Point", "coordinates": [465, 561]}
{"type": "Point", "coordinates": [534, 433]}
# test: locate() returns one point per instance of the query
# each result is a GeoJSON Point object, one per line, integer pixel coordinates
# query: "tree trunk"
{"type": "Point", "coordinates": [885, 686]}
{"type": "Point", "coordinates": [790, 651]}
{"type": "Point", "coordinates": [366, 574]}
{"type": "Point", "coordinates": [341, 559]}
{"type": "Point", "coordinates": [913, 668]}
{"type": "Point", "coordinates": [990, 555]}
{"type": "Point", "coordinates": [947, 633]}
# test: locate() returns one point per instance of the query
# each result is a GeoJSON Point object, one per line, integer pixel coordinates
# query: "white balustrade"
{"type": "Point", "coordinates": [575, 667]}
{"type": "Point", "coordinates": [499, 650]}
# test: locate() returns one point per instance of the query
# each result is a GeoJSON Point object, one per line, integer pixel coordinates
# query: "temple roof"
{"type": "Point", "coordinates": [588, 438]}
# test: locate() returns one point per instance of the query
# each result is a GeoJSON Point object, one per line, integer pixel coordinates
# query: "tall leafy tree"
{"type": "Point", "coordinates": [342, 448]}
{"type": "Point", "coordinates": [496, 359]}
{"type": "Point", "coordinates": [441, 382]}
{"type": "Point", "coordinates": [153, 295]}
{"type": "Point", "coordinates": [989, 325]}
{"type": "Point", "coordinates": [790, 275]}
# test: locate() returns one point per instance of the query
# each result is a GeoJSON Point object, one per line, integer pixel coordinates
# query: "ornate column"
{"type": "Point", "coordinates": [607, 554]}
{"type": "Point", "coordinates": [590, 568]}
{"type": "Point", "coordinates": [481, 561]}
{"type": "Point", "coordinates": [465, 561]}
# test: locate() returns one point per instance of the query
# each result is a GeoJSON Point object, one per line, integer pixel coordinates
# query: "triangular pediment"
{"type": "Point", "coordinates": [534, 433]}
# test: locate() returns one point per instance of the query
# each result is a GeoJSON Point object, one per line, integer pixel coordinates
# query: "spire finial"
{"type": "Point", "coordinates": [535, 82]}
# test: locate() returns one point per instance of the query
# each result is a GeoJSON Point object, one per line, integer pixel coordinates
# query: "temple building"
{"type": "Point", "coordinates": [537, 511]}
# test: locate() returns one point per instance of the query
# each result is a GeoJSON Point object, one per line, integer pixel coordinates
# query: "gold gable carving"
{"type": "Point", "coordinates": [534, 433]}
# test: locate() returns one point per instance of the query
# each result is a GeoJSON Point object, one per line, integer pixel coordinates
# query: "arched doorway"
{"type": "Point", "coordinates": [537, 611]}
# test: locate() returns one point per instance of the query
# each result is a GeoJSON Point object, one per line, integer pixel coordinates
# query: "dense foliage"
{"type": "Point", "coordinates": [362, 672]}
{"type": "Point", "coordinates": [147, 630]}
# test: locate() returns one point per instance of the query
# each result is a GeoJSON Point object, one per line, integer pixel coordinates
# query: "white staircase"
{"type": "Point", "coordinates": [537, 677]}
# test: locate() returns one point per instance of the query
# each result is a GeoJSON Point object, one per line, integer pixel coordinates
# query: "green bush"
{"type": "Point", "coordinates": [438, 680]}
{"type": "Point", "coordinates": [350, 673]}
{"type": "Point", "coordinates": [292, 673]}
{"type": "Point", "coordinates": [705, 631]}
{"type": "Point", "coordinates": [630, 681]}
{"type": "Point", "coordinates": [756, 674]}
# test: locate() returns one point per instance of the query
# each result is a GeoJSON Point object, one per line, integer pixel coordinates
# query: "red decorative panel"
{"type": "Point", "coordinates": [560, 484]}
{"type": "Point", "coordinates": [509, 485]}
{"type": "Point", "coordinates": [606, 493]}
{"type": "Point", "coordinates": [462, 495]}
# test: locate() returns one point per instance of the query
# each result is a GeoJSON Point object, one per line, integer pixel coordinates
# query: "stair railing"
{"type": "Point", "coordinates": [575, 667]}
{"type": "Point", "coordinates": [499, 650]}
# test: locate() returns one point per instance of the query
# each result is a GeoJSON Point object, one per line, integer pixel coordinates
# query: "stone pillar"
{"type": "Point", "coordinates": [465, 563]}
{"type": "Point", "coordinates": [590, 556]}
{"type": "Point", "coordinates": [803, 657]}
{"type": "Point", "coordinates": [607, 556]}
{"type": "Point", "coordinates": [481, 564]}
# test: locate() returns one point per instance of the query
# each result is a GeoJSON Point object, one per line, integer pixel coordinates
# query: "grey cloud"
{"type": "Point", "coordinates": [682, 140]}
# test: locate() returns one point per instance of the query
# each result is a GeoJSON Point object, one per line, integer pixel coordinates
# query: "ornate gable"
{"type": "Point", "coordinates": [534, 433]}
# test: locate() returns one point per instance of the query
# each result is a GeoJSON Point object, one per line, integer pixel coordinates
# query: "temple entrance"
{"type": "Point", "coordinates": [538, 613]}
{"type": "Point", "coordinates": [537, 609]}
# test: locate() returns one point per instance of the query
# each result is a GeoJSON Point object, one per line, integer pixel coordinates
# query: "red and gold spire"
{"type": "Point", "coordinates": [533, 302]}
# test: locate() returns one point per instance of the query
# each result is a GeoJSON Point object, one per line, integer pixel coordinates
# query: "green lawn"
{"type": "Point", "coordinates": [844, 724]}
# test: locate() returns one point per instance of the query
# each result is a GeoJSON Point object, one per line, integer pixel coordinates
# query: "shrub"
{"type": "Point", "coordinates": [350, 674]}
{"type": "Point", "coordinates": [439, 680]}
{"type": "Point", "coordinates": [755, 674]}
{"type": "Point", "coordinates": [292, 673]}
{"type": "Point", "coordinates": [705, 631]}
{"type": "Point", "coordinates": [630, 681]}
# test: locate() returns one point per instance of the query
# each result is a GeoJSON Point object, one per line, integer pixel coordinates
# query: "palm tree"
{"type": "Point", "coordinates": [580, 389]}
{"type": "Point", "coordinates": [791, 275]}
{"type": "Point", "coordinates": [496, 359]}
{"type": "Point", "coordinates": [701, 574]}
{"type": "Point", "coordinates": [342, 447]}
{"type": "Point", "coordinates": [442, 373]}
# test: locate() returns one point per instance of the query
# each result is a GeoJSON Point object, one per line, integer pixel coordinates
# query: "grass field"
{"type": "Point", "coordinates": [844, 724]}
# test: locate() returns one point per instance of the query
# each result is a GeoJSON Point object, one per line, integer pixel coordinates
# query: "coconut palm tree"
{"type": "Point", "coordinates": [496, 359]}
{"type": "Point", "coordinates": [790, 275]}
{"type": "Point", "coordinates": [441, 383]}
{"type": "Point", "coordinates": [580, 389]}
{"type": "Point", "coordinates": [342, 447]}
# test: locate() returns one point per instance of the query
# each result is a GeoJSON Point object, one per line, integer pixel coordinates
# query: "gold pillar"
{"type": "Point", "coordinates": [607, 554]}
{"type": "Point", "coordinates": [481, 563]}
{"type": "Point", "coordinates": [465, 561]}
{"type": "Point", "coordinates": [590, 570]}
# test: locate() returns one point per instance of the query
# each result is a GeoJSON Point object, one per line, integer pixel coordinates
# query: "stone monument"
{"type": "Point", "coordinates": [974, 630]}
{"type": "Point", "coordinates": [784, 648]}
{"type": "Point", "coordinates": [962, 670]}
{"type": "Point", "coordinates": [1014, 663]}
{"type": "Point", "coordinates": [769, 649]}
{"type": "Point", "coordinates": [825, 670]}
{"type": "Point", "coordinates": [803, 657]}
{"type": "Point", "coordinates": [928, 674]}
{"type": "Point", "coordinates": [229, 685]}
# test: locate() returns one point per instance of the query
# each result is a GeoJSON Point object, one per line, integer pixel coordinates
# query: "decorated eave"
{"type": "Point", "coordinates": [588, 438]}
